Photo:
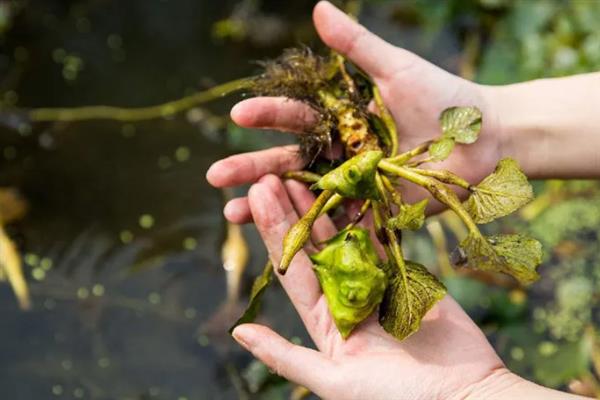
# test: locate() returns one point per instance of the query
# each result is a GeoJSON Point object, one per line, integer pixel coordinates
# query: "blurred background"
{"type": "Point", "coordinates": [118, 237]}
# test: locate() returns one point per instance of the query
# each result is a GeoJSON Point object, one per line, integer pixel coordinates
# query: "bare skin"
{"type": "Point", "coordinates": [449, 358]}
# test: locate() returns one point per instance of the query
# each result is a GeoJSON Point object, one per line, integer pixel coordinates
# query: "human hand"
{"type": "Point", "coordinates": [448, 358]}
{"type": "Point", "coordinates": [414, 90]}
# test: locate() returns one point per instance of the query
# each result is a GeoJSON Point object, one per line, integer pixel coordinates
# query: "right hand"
{"type": "Point", "coordinates": [414, 90]}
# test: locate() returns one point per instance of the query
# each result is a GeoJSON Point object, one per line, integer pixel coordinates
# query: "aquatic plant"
{"type": "Point", "coordinates": [354, 279]}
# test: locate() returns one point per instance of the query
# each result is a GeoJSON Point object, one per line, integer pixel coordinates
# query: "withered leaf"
{"type": "Point", "coordinates": [501, 193]}
{"type": "Point", "coordinates": [352, 282]}
{"type": "Point", "coordinates": [461, 124]}
{"type": "Point", "coordinates": [260, 285]}
{"type": "Point", "coordinates": [515, 254]}
{"type": "Point", "coordinates": [441, 149]}
{"type": "Point", "coordinates": [355, 178]}
{"type": "Point", "coordinates": [410, 216]}
{"type": "Point", "coordinates": [406, 301]}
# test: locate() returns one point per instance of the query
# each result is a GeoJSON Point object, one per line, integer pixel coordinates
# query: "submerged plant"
{"type": "Point", "coordinates": [354, 280]}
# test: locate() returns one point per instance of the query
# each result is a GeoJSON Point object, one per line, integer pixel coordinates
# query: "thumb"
{"type": "Point", "coordinates": [371, 53]}
{"type": "Point", "coordinates": [298, 364]}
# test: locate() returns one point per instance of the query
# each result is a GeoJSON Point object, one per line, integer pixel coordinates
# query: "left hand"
{"type": "Point", "coordinates": [448, 358]}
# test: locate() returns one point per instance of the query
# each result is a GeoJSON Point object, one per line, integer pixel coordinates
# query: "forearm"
{"type": "Point", "coordinates": [551, 126]}
{"type": "Point", "coordinates": [504, 385]}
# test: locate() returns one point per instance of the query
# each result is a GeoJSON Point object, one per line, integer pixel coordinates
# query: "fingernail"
{"type": "Point", "coordinates": [244, 336]}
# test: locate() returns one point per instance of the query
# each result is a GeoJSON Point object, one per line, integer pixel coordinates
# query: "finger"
{"type": "Point", "coordinates": [273, 215]}
{"type": "Point", "coordinates": [371, 53]}
{"type": "Point", "coordinates": [246, 168]}
{"type": "Point", "coordinates": [274, 113]}
{"type": "Point", "coordinates": [298, 364]}
{"type": "Point", "coordinates": [303, 199]}
{"type": "Point", "coordinates": [237, 211]}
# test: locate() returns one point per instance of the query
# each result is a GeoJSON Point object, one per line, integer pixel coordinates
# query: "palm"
{"type": "Point", "coordinates": [416, 92]}
{"type": "Point", "coordinates": [370, 363]}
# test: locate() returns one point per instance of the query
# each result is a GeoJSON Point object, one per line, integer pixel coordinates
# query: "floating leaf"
{"type": "Point", "coordinates": [411, 216]}
{"type": "Point", "coordinates": [352, 282]}
{"type": "Point", "coordinates": [516, 255]}
{"type": "Point", "coordinates": [501, 193]}
{"type": "Point", "coordinates": [407, 301]}
{"type": "Point", "coordinates": [441, 149]}
{"type": "Point", "coordinates": [461, 124]}
{"type": "Point", "coordinates": [355, 178]}
{"type": "Point", "coordinates": [260, 285]}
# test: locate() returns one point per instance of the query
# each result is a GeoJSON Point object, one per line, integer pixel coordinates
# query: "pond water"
{"type": "Point", "coordinates": [122, 239]}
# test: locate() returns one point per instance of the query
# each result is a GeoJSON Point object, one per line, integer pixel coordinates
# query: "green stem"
{"type": "Point", "coordinates": [299, 233]}
{"type": "Point", "coordinates": [345, 75]}
{"type": "Point", "coordinates": [392, 244]}
{"type": "Point", "coordinates": [401, 159]}
{"type": "Point", "coordinates": [381, 190]}
{"type": "Point", "coordinates": [394, 194]}
{"type": "Point", "coordinates": [438, 190]}
{"type": "Point", "coordinates": [302, 176]}
{"type": "Point", "coordinates": [444, 176]}
{"type": "Point", "coordinates": [334, 202]}
{"type": "Point", "coordinates": [358, 217]}
{"type": "Point", "coordinates": [141, 113]}
{"type": "Point", "coordinates": [388, 120]}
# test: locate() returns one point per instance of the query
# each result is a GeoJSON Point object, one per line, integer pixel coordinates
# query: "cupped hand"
{"type": "Point", "coordinates": [414, 90]}
{"type": "Point", "coordinates": [448, 358]}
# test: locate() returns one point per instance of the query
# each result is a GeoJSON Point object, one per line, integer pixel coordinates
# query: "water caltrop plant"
{"type": "Point", "coordinates": [355, 279]}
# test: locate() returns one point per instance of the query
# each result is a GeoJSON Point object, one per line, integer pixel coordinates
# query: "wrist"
{"type": "Point", "coordinates": [543, 124]}
{"type": "Point", "coordinates": [495, 386]}
{"type": "Point", "coordinates": [527, 125]}
{"type": "Point", "coordinates": [502, 384]}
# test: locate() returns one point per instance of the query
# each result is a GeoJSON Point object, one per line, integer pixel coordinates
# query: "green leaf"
{"type": "Point", "coordinates": [516, 255]}
{"type": "Point", "coordinates": [352, 282]}
{"type": "Point", "coordinates": [441, 149]}
{"type": "Point", "coordinates": [260, 285]}
{"type": "Point", "coordinates": [355, 178]}
{"type": "Point", "coordinates": [411, 216]}
{"type": "Point", "coordinates": [461, 124]}
{"type": "Point", "coordinates": [501, 193]}
{"type": "Point", "coordinates": [406, 301]}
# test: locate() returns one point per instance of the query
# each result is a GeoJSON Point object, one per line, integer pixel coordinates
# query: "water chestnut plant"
{"type": "Point", "coordinates": [357, 280]}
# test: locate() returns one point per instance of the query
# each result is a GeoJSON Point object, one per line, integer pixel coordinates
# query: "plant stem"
{"type": "Point", "coordinates": [401, 159]}
{"type": "Point", "coordinates": [381, 190]}
{"type": "Point", "coordinates": [141, 113]}
{"type": "Point", "coordinates": [392, 244]}
{"type": "Point", "coordinates": [340, 60]}
{"type": "Point", "coordinates": [302, 176]}
{"type": "Point", "coordinates": [394, 194]}
{"type": "Point", "coordinates": [359, 216]}
{"type": "Point", "coordinates": [444, 176]}
{"type": "Point", "coordinates": [437, 189]}
{"type": "Point", "coordinates": [388, 120]}
{"type": "Point", "coordinates": [334, 202]}
{"type": "Point", "coordinates": [299, 233]}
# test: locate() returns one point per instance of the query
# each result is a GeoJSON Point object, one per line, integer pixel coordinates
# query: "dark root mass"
{"type": "Point", "coordinates": [317, 139]}
{"type": "Point", "coordinates": [298, 74]}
